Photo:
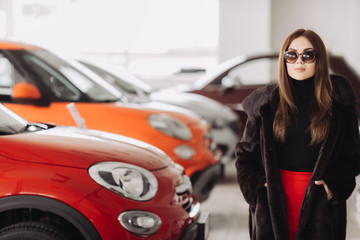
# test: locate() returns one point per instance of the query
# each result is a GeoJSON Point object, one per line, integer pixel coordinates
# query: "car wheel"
{"type": "Point", "coordinates": [32, 231]}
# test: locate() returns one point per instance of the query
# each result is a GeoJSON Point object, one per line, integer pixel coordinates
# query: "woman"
{"type": "Point", "coordinates": [300, 152]}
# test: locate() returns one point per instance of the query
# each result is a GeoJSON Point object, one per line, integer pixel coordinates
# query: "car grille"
{"type": "Point", "coordinates": [224, 148]}
{"type": "Point", "coordinates": [234, 126]}
{"type": "Point", "coordinates": [184, 194]}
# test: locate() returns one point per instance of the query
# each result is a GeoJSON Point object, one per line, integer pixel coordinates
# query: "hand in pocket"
{"type": "Point", "coordinates": [327, 190]}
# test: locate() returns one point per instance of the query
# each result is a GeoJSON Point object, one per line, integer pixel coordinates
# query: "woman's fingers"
{"type": "Point", "coordinates": [327, 190]}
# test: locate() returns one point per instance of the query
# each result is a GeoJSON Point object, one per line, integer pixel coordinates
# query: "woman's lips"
{"type": "Point", "coordinates": [299, 69]}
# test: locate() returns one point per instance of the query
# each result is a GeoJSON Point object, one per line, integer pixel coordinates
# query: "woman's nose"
{"type": "Point", "coordinates": [299, 59]}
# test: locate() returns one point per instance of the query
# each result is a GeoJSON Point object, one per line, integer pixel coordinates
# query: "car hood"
{"type": "Point", "coordinates": [185, 87]}
{"type": "Point", "coordinates": [184, 115]}
{"type": "Point", "coordinates": [162, 106]}
{"type": "Point", "coordinates": [201, 105]}
{"type": "Point", "coordinates": [80, 148]}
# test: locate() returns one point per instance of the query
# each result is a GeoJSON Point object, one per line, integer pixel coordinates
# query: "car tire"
{"type": "Point", "coordinates": [32, 231]}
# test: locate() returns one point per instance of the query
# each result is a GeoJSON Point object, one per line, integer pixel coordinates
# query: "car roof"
{"type": "Point", "coordinates": [12, 45]}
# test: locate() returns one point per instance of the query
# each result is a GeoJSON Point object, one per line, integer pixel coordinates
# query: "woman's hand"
{"type": "Point", "coordinates": [327, 190]}
{"type": "Point", "coordinates": [265, 184]}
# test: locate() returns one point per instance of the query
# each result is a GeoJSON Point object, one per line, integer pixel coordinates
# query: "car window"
{"type": "Point", "coordinates": [56, 82]}
{"type": "Point", "coordinates": [113, 80]}
{"type": "Point", "coordinates": [8, 74]}
{"type": "Point", "coordinates": [6, 71]}
{"type": "Point", "coordinates": [123, 80]}
{"type": "Point", "coordinates": [254, 72]}
{"type": "Point", "coordinates": [66, 80]}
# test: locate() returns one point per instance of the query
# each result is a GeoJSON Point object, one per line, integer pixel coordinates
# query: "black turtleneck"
{"type": "Point", "coordinates": [296, 154]}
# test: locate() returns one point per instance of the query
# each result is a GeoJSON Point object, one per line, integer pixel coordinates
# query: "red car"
{"type": "Point", "coordinates": [69, 183]}
{"type": "Point", "coordinates": [236, 78]}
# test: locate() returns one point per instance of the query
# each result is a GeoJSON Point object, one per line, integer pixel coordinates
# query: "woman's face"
{"type": "Point", "coordinates": [300, 70]}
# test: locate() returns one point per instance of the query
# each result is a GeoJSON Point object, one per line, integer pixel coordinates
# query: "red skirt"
{"type": "Point", "coordinates": [294, 184]}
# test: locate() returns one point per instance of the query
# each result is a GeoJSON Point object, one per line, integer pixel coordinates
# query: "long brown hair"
{"type": "Point", "coordinates": [320, 108]}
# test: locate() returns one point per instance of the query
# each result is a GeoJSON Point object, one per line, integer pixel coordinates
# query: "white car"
{"type": "Point", "coordinates": [224, 121]}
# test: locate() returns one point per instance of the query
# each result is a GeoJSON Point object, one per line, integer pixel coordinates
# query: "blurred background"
{"type": "Point", "coordinates": [168, 42]}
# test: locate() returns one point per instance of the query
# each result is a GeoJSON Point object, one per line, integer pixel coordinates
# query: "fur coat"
{"type": "Point", "coordinates": [338, 164]}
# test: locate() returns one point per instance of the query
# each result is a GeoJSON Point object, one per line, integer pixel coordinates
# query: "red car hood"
{"type": "Point", "coordinates": [75, 147]}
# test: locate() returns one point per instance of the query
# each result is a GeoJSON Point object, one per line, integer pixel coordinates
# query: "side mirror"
{"type": "Point", "coordinates": [227, 85]}
{"type": "Point", "coordinates": [227, 82]}
{"type": "Point", "coordinates": [25, 93]}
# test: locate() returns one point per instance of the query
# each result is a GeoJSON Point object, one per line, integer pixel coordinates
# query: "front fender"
{"type": "Point", "coordinates": [81, 223]}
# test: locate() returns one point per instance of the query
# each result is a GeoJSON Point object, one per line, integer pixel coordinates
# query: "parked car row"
{"type": "Point", "coordinates": [135, 172]}
{"type": "Point", "coordinates": [40, 85]}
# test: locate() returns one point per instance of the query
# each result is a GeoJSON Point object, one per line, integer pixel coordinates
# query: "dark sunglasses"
{"type": "Point", "coordinates": [307, 56]}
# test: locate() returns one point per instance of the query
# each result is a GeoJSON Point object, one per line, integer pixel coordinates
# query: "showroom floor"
{"type": "Point", "coordinates": [229, 211]}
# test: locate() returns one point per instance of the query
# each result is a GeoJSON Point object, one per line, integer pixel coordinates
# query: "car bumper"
{"type": "Point", "coordinates": [204, 181]}
{"type": "Point", "coordinates": [106, 207]}
{"type": "Point", "coordinates": [198, 230]}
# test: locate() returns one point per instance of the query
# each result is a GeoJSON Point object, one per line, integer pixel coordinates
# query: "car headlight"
{"type": "Point", "coordinates": [170, 126]}
{"type": "Point", "coordinates": [140, 222]}
{"type": "Point", "coordinates": [127, 180]}
{"type": "Point", "coordinates": [217, 123]}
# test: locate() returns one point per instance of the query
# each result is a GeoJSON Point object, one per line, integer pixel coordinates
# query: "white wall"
{"type": "Point", "coordinates": [253, 26]}
{"type": "Point", "coordinates": [337, 23]}
{"type": "Point", "coordinates": [244, 27]}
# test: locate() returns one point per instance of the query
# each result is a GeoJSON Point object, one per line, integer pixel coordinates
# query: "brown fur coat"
{"type": "Point", "coordinates": [338, 163]}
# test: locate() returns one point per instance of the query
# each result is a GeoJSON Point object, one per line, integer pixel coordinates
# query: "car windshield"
{"type": "Point", "coordinates": [216, 71]}
{"type": "Point", "coordinates": [124, 80]}
{"type": "Point", "coordinates": [66, 74]}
